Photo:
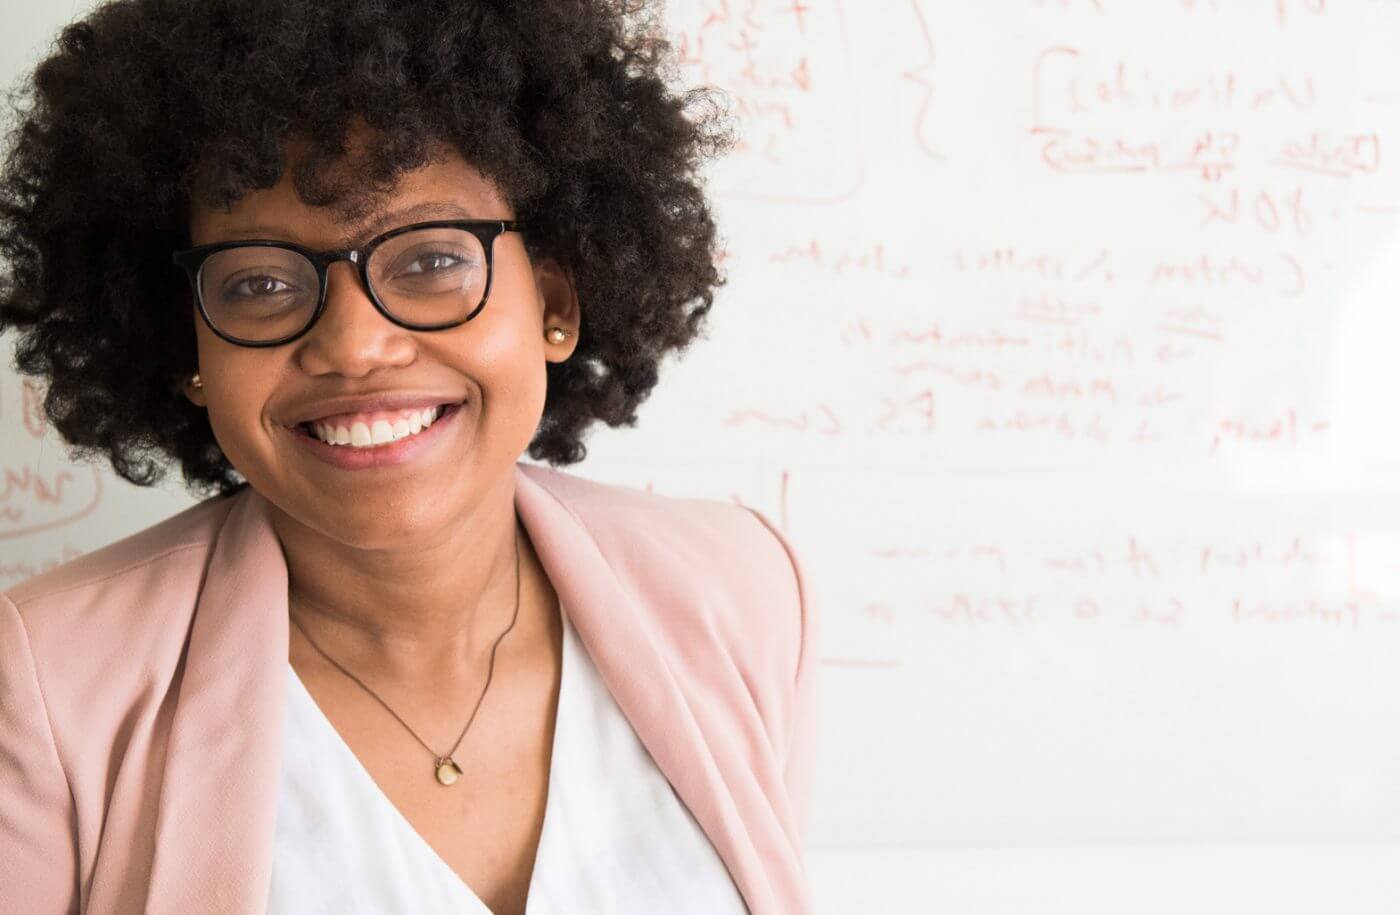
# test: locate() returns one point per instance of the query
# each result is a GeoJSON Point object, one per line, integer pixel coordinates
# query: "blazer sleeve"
{"type": "Point", "coordinates": [38, 844]}
{"type": "Point", "coordinates": [799, 763]}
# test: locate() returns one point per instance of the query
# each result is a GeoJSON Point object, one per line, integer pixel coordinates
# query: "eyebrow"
{"type": "Point", "coordinates": [363, 231]}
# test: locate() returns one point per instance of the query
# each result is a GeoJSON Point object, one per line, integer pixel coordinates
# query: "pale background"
{"type": "Point", "coordinates": [1060, 337]}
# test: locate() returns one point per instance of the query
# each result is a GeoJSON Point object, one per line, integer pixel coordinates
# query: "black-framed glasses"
{"type": "Point", "coordinates": [425, 276]}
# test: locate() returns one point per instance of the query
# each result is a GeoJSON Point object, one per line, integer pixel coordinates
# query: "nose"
{"type": "Point", "coordinates": [351, 337]}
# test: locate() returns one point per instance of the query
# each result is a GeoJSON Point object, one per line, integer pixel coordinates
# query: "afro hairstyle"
{"type": "Point", "coordinates": [144, 106]}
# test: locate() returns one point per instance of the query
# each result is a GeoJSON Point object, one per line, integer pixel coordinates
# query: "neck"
{"type": "Point", "coordinates": [425, 613]}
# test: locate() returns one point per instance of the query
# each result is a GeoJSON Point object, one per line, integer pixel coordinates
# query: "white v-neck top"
{"type": "Point", "coordinates": [616, 837]}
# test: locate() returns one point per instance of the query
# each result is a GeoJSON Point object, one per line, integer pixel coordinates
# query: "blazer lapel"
{"type": "Point", "coordinates": [616, 632]}
{"type": "Point", "coordinates": [217, 810]}
{"type": "Point", "coordinates": [218, 803]}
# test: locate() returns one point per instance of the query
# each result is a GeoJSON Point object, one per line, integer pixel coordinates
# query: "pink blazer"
{"type": "Point", "coordinates": [142, 689]}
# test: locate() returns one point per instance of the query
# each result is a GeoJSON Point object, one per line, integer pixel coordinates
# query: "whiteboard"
{"type": "Point", "coordinates": [1059, 337]}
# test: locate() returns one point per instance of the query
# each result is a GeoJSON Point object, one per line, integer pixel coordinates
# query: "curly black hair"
{"type": "Point", "coordinates": [146, 105]}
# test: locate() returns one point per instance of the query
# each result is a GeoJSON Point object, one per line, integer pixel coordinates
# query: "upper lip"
{"type": "Point", "coordinates": [365, 403]}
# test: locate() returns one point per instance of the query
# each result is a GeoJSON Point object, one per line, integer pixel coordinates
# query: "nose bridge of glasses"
{"type": "Point", "coordinates": [344, 315]}
{"type": "Point", "coordinates": [356, 258]}
{"type": "Point", "coordinates": [356, 277]}
{"type": "Point", "coordinates": [328, 259]}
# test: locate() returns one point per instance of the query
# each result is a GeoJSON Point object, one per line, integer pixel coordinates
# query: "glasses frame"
{"type": "Point", "coordinates": [485, 230]}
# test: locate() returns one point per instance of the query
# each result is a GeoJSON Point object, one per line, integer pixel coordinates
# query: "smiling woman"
{"type": "Point", "coordinates": [343, 263]}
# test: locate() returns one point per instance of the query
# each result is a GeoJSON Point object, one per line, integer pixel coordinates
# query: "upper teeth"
{"type": "Point", "coordinates": [379, 432]}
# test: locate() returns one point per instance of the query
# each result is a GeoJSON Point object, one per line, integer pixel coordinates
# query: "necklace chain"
{"type": "Point", "coordinates": [440, 762]}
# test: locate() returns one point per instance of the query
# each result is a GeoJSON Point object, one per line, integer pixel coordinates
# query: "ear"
{"type": "Point", "coordinates": [558, 301]}
{"type": "Point", "coordinates": [193, 394]}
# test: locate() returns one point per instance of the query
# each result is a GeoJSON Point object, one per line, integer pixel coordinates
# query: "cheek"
{"type": "Point", "coordinates": [503, 346]}
{"type": "Point", "coordinates": [506, 354]}
{"type": "Point", "coordinates": [503, 361]}
{"type": "Point", "coordinates": [237, 392]}
{"type": "Point", "coordinates": [234, 424]}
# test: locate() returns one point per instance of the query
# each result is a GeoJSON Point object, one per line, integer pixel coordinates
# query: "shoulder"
{"type": "Point", "coordinates": [85, 649]}
{"type": "Point", "coordinates": [705, 565]}
{"type": "Point", "coordinates": [739, 548]}
{"type": "Point", "coordinates": [730, 600]}
{"type": "Point", "coordinates": [166, 558]}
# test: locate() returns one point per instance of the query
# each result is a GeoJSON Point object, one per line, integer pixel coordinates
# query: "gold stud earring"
{"type": "Point", "coordinates": [557, 335]}
{"type": "Point", "coordinates": [195, 382]}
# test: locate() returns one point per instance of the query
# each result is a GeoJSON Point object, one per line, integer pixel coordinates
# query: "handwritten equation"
{"type": "Point", "coordinates": [1089, 247]}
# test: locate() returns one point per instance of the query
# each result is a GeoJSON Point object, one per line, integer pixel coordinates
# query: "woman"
{"type": "Point", "coordinates": [345, 262]}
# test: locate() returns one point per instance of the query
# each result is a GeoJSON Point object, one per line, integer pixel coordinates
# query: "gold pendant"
{"type": "Point", "coordinates": [447, 770]}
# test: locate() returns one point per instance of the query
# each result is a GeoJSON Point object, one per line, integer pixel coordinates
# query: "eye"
{"type": "Point", "coordinates": [441, 260]}
{"type": "Point", "coordinates": [258, 286]}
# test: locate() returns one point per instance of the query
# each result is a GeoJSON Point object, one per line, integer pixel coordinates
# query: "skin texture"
{"type": "Point", "coordinates": [406, 575]}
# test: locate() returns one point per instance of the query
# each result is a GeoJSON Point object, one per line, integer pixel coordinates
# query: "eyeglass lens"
{"type": "Point", "coordinates": [426, 276]}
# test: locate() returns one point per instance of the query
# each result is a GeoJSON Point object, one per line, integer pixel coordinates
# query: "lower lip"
{"type": "Point", "coordinates": [348, 457]}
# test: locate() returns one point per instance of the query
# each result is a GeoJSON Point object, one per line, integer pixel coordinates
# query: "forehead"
{"type": "Point", "coordinates": [446, 187]}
